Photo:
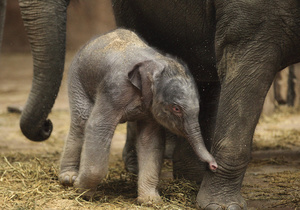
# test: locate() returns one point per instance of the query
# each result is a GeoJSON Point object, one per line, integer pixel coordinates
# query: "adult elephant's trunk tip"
{"type": "Point", "coordinates": [37, 133]}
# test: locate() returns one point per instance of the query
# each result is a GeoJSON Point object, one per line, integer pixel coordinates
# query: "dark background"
{"type": "Point", "coordinates": [87, 18]}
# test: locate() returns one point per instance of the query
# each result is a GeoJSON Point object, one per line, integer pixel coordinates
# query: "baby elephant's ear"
{"type": "Point", "coordinates": [134, 77]}
{"type": "Point", "coordinates": [142, 76]}
{"type": "Point", "coordinates": [144, 73]}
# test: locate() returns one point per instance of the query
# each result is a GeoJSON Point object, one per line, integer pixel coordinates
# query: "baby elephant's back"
{"type": "Point", "coordinates": [109, 58]}
{"type": "Point", "coordinates": [120, 49]}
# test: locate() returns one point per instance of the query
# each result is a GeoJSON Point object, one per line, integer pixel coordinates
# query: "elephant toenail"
{"type": "Point", "coordinates": [73, 179]}
{"type": "Point", "coordinates": [213, 207]}
{"type": "Point", "coordinates": [234, 206]}
{"type": "Point", "coordinates": [66, 179]}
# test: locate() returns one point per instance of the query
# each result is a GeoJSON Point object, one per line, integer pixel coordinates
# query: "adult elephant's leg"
{"type": "Point", "coordinates": [2, 18]}
{"type": "Point", "coordinates": [246, 72]}
{"type": "Point", "coordinates": [252, 44]}
{"type": "Point", "coordinates": [129, 154]}
{"type": "Point", "coordinates": [185, 162]}
{"type": "Point", "coordinates": [45, 23]}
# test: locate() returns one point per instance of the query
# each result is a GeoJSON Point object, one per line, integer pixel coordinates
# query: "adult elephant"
{"type": "Point", "coordinates": [234, 49]}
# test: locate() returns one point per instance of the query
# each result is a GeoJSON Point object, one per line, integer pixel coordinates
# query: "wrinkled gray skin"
{"type": "Point", "coordinates": [117, 78]}
{"type": "Point", "coordinates": [45, 23]}
{"type": "Point", "coordinates": [233, 48]}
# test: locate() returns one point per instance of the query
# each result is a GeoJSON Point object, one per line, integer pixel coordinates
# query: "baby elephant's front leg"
{"type": "Point", "coordinates": [150, 151]}
{"type": "Point", "coordinates": [95, 152]}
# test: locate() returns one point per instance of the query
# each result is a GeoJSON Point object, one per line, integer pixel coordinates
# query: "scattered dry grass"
{"type": "Point", "coordinates": [282, 188]}
{"type": "Point", "coordinates": [30, 182]}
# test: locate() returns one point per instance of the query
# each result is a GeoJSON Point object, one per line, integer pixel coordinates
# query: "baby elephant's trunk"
{"type": "Point", "coordinates": [195, 139]}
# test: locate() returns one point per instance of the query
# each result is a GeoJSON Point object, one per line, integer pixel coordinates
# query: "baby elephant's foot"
{"type": "Point", "coordinates": [68, 178]}
{"type": "Point", "coordinates": [86, 193]}
{"type": "Point", "coordinates": [149, 199]}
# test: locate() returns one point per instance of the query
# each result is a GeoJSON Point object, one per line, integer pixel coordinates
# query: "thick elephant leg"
{"type": "Point", "coordinates": [185, 162]}
{"type": "Point", "coordinates": [2, 19]}
{"type": "Point", "coordinates": [45, 23]}
{"type": "Point", "coordinates": [150, 150]}
{"type": "Point", "coordinates": [243, 90]}
{"type": "Point", "coordinates": [250, 50]}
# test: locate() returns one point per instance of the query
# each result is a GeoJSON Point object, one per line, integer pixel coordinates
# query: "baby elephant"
{"type": "Point", "coordinates": [117, 78]}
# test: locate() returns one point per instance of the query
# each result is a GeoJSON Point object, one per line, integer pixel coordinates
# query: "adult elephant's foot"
{"type": "Point", "coordinates": [232, 206]}
{"type": "Point", "coordinates": [68, 178]}
{"type": "Point", "coordinates": [222, 202]}
{"type": "Point", "coordinates": [219, 193]}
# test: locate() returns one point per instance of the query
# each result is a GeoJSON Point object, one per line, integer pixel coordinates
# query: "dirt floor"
{"type": "Point", "coordinates": [29, 170]}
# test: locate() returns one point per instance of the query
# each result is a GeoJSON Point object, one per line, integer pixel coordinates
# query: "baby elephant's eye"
{"type": "Point", "coordinates": [176, 109]}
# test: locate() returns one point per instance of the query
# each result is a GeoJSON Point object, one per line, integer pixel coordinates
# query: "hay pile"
{"type": "Point", "coordinates": [29, 174]}
{"type": "Point", "coordinates": [30, 182]}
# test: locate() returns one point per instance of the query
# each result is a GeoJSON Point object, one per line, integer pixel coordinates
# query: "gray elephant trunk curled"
{"type": "Point", "coordinates": [48, 50]}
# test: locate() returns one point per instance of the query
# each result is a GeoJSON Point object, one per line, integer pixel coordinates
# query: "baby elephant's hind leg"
{"type": "Point", "coordinates": [70, 161]}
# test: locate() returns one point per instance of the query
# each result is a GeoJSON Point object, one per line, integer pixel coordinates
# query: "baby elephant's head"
{"type": "Point", "coordinates": [170, 92]}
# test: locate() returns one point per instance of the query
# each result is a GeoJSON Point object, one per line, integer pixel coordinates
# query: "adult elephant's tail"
{"type": "Point", "coordinates": [45, 23]}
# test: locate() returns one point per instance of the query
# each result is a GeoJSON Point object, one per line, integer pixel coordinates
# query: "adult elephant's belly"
{"type": "Point", "coordinates": [181, 28]}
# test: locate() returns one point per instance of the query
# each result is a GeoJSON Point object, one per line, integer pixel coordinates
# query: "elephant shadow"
{"type": "Point", "coordinates": [119, 184]}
